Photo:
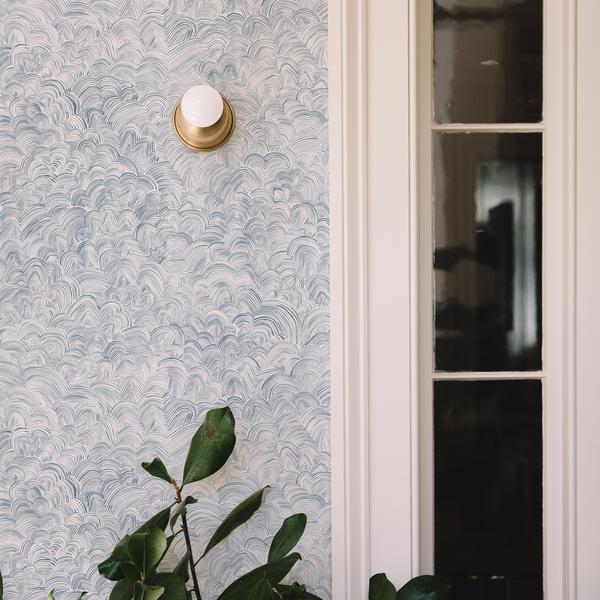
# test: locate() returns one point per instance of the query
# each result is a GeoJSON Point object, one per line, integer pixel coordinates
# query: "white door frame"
{"type": "Point", "coordinates": [375, 457]}
{"type": "Point", "coordinates": [374, 491]}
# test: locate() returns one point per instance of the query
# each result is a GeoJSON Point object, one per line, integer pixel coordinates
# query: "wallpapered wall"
{"type": "Point", "coordinates": [142, 284]}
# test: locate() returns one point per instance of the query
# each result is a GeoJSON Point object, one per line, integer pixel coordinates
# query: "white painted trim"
{"type": "Point", "coordinates": [489, 127]}
{"type": "Point", "coordinates": [587, 215]}
{"type": "Point", "coordinates": [350, 444]}
{"type": "Point", "coordinates": [483, 375]}
{"type": "Point", "coordinates": [359, 393]}
{"type": "Point", "coordinates": [415, 437]}
{"type": "Point", "coordinates": [372, 459]}
{"type": "Point", "coordinates": [389, 276]}
{"type": "Point", "coordinates": [570, 101]}
{"type": "Point", "coordinates": [424, 119]}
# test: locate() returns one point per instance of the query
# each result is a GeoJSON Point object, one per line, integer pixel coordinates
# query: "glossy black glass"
{"type": "Point", "coordinates": [488, 61]}
{"type": "Point", "coordinates": [487, 251]}
{"type": "Point", "coordinates": [488, 488]}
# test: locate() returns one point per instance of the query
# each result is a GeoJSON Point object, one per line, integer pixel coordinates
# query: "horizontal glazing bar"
{"type": "Point", "coordinates": [474, 376]}
{"type": "Point", "coordinates": [490, 127]}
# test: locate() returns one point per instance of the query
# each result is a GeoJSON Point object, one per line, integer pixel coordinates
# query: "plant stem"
{"type": "Point", "coordinates": [188, 543]}
{"type": "Point", "coordinates": [189, 547]}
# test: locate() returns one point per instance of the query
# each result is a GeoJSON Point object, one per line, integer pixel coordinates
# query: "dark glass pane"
{"type": "Point", "coordinates": [488, 488]}
{"type": "Point", "coordinates": [488, 61]}
{"type": "Point", "coordinates": [487, 251]}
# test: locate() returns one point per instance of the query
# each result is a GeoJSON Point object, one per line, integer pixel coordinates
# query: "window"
{"type": "Point", "coordinates": [486, 211]}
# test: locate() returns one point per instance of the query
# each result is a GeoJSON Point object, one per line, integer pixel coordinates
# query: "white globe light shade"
{"type": "Point", "coordinates": [202, 106]}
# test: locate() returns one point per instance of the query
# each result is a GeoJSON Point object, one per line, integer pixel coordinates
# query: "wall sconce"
{"type": "Point", "coordinates": [203, 119]}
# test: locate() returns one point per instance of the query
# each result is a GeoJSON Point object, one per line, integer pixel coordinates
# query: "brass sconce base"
{"type": "Point", "coordinates": [204, 139]}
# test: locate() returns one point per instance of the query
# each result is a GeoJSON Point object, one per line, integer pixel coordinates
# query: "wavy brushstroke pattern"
{"type": "Point", "coordinates": [142, 284]}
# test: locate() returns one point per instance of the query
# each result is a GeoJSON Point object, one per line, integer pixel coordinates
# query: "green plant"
{"type": "Point", "coordinates": [134, 562]}
{"type": "Point", "coordinates": [422, 587]}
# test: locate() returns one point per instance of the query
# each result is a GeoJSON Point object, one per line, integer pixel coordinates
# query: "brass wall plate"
{"type": "Point", "coordinates": [204, 139]}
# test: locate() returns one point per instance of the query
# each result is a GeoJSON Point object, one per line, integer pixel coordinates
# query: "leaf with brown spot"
{"type": "Point", "coordinates": [211, 446]}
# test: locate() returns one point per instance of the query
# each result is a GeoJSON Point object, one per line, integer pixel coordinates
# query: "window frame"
{"type": "Point", "coordinates": [379, 446]}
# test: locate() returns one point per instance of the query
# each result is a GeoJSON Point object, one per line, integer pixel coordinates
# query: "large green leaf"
{"type": "Point", "coordinates": [158, 469]}
{"type": "Point", "coordinates": [294, 591]}
{"type": "Point", "coordinates": [211, 446]}
{"type": "Point", "coordinates": [174, 587]}
{"type": "Point", "coordinates": [238, 516]}
{"type": "Point", "coordinates": [120, 554]}
{"type": "Point", "coordinates": [425, 587]}
{"type": "Point", "coordinates": [123, 590]}
{"type": "Point", "coordinates": [110, 568]}
{"type": "Point", "coordinates": [380, 588]}
{"type": "Point", "coordinates": [146, 549]}
{"type": "Point", "coordinates": [241, 587]}
{"type": "Point", "coordinates": [131, 572]}
{"type": "Point", "coordinates": [181, 509]}
{"type": "Point", "coordinates": [287, 537]}
{"type": "Point", "coordinates": [141, 591]}
{"type": "Point", "coordinates": [182, 570]}
{"type": "Point", "coordinates": [262, 590]}
{"type": "Point", "coordinates": [51, 595]}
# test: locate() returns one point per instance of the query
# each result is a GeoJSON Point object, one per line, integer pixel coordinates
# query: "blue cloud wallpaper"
{"type": "Point", "coordinates": [142, 284]}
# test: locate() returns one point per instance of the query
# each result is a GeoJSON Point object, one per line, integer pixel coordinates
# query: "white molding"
{"type": "Point", "coordinates": [348, 163]}
{"type": "Point", "coordinates": [483, 375]}
{"type": "Point", "coordinates": [362, 392]}
{"type": "Point", "coordinates": [390, 235]}
{"type": "Point", "coordinates": [587, 216]}
{"type": "Point", "coordinates": [489, 127]}
{"type": "Point", "coordinates": [372, 230]}
{"type": "Point", "coordinates": [570, 100]}
{"type": "Point", "coordinates": [415, 438]}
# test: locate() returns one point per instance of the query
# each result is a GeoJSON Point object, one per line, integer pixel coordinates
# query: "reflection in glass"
{"type": "Point", "coordinates": [487, 251]}
{"type": "Point", "coordinates": [488, 61]}
{"type": "Point", "coordinates": [488, 488]}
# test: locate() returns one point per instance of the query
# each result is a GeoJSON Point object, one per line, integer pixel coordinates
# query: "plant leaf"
{"type": "Point", "coordinates": [120, 554]}
{"type": "Point", "coordinates": [182, 570]}
{"type": "Point", "coordinates": [287, 537]}
{"type": "Point", "coordinates": [181, 509]}
{"type": "Point", "coordinates": [425, 587]}
{"type": "Point", "coordinates": [160, 519]}
{"type": "Point", "coordinates": [262, 590]}
{"type": "Point", "coordinates": [174, 587]}
{"type": "Point", "coordinates": [238, 516]}
{"type": "Point", "coordinates": [51, 595]}
{"type": "Point", "coordinates": [211, 446]}
{"type": "Point", "coordinates": [241, 587]}
{"type": "Point", "coordinates": [289, 591]}
{"type": "Point", "coordinates": [380, 588]}
{"type": "Point", "coordinates": [131, 572]}
{"type": "Point", "coordinates": [123, 590]}
{"type": "Point", "coordinates": [81, 595]}
{"type": "Point", "coordinates": [146, 549]}
{"type": "Point", "coordinates": [156, 546]}
{"type": "Point", "coordinates": [141, 591]}
{"type": "Point", "coordinates": [111, 569]}
{"type": "Point", "coordinates": [158, 469]}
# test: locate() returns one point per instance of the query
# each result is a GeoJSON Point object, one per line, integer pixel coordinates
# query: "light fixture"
{"type": "Point", "coordinates": [203, 119]}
